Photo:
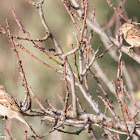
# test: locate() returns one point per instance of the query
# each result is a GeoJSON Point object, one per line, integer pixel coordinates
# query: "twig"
{"type": "Point", "coordinates": [111, 5]}
{"type": "Point", "coordinates": [76, 133]}
{"type": "Point", "coordinates": [21, 71]}
{"type": "Point", "coordinates": [90, 129]}
{"type": "Point", "coordinates": [19, 45]}
{"type": "Point", "coordinates": [132, 101]}
{"type": "Point", "coordinates": [50, 105]}
{"type": "Point", "coordinates": [108, 106]}
{"type": "Point", "coordinates": [95, 26]}
{"type": "Point", "coordinates": [36, 99]}
{"type": "Point", "coordinates": [107, 122]}
{"type": "Point", "coordinates": [10, 137]}
{"type": "Point", "coordinates": [25, 134]}
{"type": "Point", "coordinates": [101, 87]}
{"type": "Point", "coordinates": [121, 108]}
{"type": "Point", "coordinates": [48, 30]}
{"type": "Point", "coordinates": [67, 92]}
{"type": "Point", "coordinates": [35, 4]}
{"type": "Point", "coordinates": [25, 38]}
{"type": "Point", "coordinates": [90, 63]}
{"type": "Point", "coordinates": [76, 65]}
{"type": "Point", "coordinates": [88, 97]}
{"type": "Point", "coordinates": [52, 130]}
{"type": "Point", "coordinates": [28, 34]}
{"type": "Point", "coordinates": [73, 90]}
{"type": "Point", "coordinates": [71, 15]}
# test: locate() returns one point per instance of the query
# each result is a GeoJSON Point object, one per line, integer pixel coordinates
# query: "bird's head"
{"type": "Point", "coordinates": [126, 27]}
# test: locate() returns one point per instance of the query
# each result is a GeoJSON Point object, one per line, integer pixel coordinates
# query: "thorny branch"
{"type": "Point", "coordinates": [76, 75]}
{"type": "Point", "coordinates": [21, 71]}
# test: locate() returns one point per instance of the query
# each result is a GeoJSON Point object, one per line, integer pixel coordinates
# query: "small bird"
{"type": "Point", "coordinates": [9, 107]}
{"type": "Point", "coordinates": [131, 34]}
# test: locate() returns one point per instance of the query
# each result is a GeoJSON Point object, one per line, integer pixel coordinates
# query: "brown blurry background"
{"type": "Point", "coordinates": [45, 83]}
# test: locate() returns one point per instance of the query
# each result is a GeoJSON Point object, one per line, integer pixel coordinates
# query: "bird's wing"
{"type": "Point", "coordinates": [9, 102]}
{"type": "Point", "coordinates": [134, 34]}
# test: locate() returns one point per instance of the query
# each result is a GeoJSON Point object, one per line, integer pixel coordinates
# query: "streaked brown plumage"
{"type": "Point", "coordinates": [131, 34]}
{"type": "Point", "coordinates": [9, 107]}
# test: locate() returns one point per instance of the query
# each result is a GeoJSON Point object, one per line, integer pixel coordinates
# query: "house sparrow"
{"type": "Point", "coordinates": [9, 107]}
{"type": "Point", "coordinates": [131, 34]}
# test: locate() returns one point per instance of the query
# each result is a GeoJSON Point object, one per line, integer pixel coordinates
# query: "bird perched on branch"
{"type": "Point", "coordinates": [131, 34]}
{"type": "Point", "coordinates": [9, 107]}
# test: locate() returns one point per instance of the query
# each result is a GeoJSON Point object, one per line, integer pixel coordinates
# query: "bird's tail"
{"type": "Point", "coordinates": [21, 118]}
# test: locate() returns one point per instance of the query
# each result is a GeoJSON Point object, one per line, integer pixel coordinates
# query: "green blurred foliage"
{"type": "Point", "coordinates": [45, 83]}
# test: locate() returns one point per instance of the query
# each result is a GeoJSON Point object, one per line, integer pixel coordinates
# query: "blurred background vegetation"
{"type": "Point", "coordinates": [45, 83]}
